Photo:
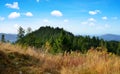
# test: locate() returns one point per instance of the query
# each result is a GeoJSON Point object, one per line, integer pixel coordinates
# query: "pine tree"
{"type": "Point", "coordinates": [3, 38]}
{"type": "Point", "coordinates": [21, 33]}
{"type": "Point", "coordinates": [29, 30]}
{"type": "Point", "coordinates": [118, 49]}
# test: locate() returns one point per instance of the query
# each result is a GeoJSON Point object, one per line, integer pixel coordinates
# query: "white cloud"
{"type": "Point", "coordinates": [13, 15]}
{"type": "Point", "coordinates": [104, 18]}
{"type": "Point", "coordinates": [56, 13]}
{"type": "Point", "coordinates": [37, 0]}
{"type": "Point", "coordinates": [66, 20]}
{"type": "Point", "coordinates": [29, 14]}
{"type": "Point", "coordinates": [94, 12]}
{"type": "Point", "coordinates": [45, 20]}
{"type": "Point", "coordinates": [14, 5]}
{"type": "Point", "coordinates": [91, 20]}
{"type": "Point", "coordinates": [2, 18]}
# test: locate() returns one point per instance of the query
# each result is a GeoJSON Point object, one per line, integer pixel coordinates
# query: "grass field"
{"type": "Point", "coordinates": [15, 59]}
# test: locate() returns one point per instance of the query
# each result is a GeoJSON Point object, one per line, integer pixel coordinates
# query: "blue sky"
{"type": "Point", "coordinates": [84, 17]}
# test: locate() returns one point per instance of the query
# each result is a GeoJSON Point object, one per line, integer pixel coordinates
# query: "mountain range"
{"type": "Point", "coordinates": [110, 37]}
{"type": "Point", "coordinates": [9, 37]}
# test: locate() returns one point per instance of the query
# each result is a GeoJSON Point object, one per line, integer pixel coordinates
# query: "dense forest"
{"type": "Point", "coordinates": [57, 40]}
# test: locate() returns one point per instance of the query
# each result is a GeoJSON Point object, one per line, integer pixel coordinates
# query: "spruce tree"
{"type": "Point", "coordinates": [21, 33]}
{"type": "Point", "coordinates": [29, 30]}
{"type": "Point", "coordinates": [118, 49]}
{"type": "Point", "coordinates": [3, 38]}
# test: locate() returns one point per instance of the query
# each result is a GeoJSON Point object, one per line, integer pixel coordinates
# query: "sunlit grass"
{"type": "Point", "coordinates": [31, 61]}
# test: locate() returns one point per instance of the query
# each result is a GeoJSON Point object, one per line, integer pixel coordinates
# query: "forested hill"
{"type": "Point", "coordinates": [46, 33]}
{"type": "Point", "coordinates": [58, 40]}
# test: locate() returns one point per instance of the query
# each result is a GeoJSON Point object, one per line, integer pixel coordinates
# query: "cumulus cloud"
{"type": "Point", "coordinates": [2, 18]}
{"type": "Point", "coordinates": [13, 6]}
{"type": "Point", "coordinates": [13, 15]}
{"type": "Point", "coordinates": [94, 12]}
{"type": "Point", "coordinates": [66, 20]}
{"type": "Point", "coordinates": [91, 20]}
{"type": "Point", "coordinates": [104, 18]}
{"type": "Point", "coordinates": [37, 0]}
{"type": "Point", "coordinates": [29, 14]}
{"type": "Point", "coordinates": [56, 13]}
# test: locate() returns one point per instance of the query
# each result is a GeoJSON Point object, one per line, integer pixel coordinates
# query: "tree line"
{"type": "Point", "coordinates": [57, 40]}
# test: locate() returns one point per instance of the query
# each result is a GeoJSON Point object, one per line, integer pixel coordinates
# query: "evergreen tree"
{"type": "Point", "coordinates": [118, 49]}
{"type": "Point", "coordinates": [29, 30]}
{"type": "Point", "coordinates": [21, 33]}
{"type": "Point", "coordinates": [58, 44]}
{"type": "Point", "coordinates": [31, 40]}
{"type": "Point", "coordinates": [3, 38]}
{"type": "Point", "coordinates": [60, 40]}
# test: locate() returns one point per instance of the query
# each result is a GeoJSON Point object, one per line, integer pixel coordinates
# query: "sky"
{"type": "Point", "coordinates": [81, 17]}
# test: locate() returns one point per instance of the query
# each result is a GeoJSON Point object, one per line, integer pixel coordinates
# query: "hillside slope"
{"type": "Point", "coordinates": [15, 59]}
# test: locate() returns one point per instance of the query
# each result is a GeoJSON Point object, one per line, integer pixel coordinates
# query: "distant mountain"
{"type": "Point", "coordinates": [9, 37]}
{"type": "Point", "coordinates": [110, 37]}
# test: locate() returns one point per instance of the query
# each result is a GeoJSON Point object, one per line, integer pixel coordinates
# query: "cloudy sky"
{"type": "Point", "coordinates": [91, 17]}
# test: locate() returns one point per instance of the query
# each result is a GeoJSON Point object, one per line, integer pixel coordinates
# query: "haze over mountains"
{"type": "Point", "coordinates": [108, 37]}
{"type": "Point", "coordinates": [9, 37]}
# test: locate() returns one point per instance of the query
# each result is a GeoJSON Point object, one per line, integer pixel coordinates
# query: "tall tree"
{"type": "Point", "coordinates": [29, 30]}
{"type": "Point", "coordinates": [3, 38]}
{"type": "Point", "coordinates": [21, 33]}
{"type": "Point", "coordinates": [118, 49]}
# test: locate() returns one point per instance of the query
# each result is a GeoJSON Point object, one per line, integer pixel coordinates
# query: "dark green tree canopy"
{"type": "Point", "coordinates": [60, 40]}
{"type": "Point", "coordinates": [21, 32]}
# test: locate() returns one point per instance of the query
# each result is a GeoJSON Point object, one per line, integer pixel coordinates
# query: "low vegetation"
{"type": "Point", "coordinates": [15, 59]}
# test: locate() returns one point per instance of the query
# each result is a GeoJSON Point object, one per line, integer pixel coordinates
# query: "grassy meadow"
{"type": "Point", "coordinates": [15, 59]}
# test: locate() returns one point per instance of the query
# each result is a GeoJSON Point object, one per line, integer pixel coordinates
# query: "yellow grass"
{"type": "Point", "coordinates": [31, 61]}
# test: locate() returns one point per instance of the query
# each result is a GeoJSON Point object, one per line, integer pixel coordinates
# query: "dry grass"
{"type": "Point", "coordinates": [22, 60]}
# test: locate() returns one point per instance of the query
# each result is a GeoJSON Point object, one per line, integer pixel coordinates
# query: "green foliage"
{"type": "Point", "coordinates": [112, 46]}
{"type": "Point", "coordinates": [58, 40]}
{"type": "Point", "coordinates": [21, 33]}
{"type": "Point", "coordinates": [118, 49]}
{"type": "Point", "coordinates": [3, 38]}
{"type": "Point", "coordinates": [29, 30]}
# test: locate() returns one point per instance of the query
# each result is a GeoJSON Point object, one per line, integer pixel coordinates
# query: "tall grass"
{"type": "Point", "coordinates": [93, 62]}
